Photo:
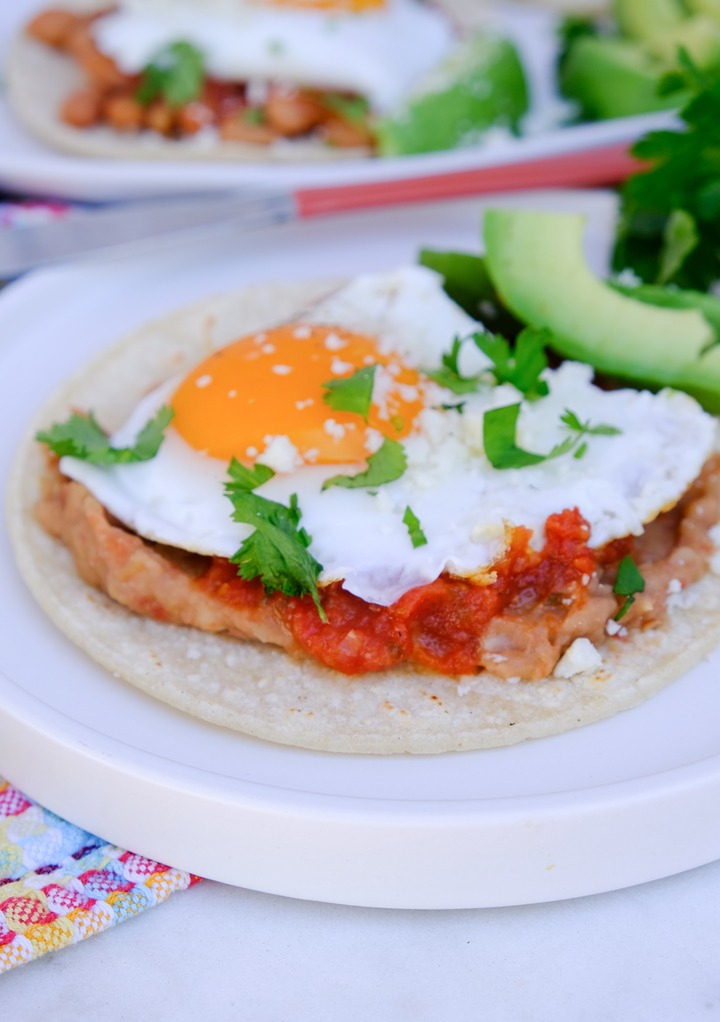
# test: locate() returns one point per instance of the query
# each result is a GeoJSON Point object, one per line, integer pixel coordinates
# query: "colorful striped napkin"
{"type": "Point", "coordinates": [59, 884]}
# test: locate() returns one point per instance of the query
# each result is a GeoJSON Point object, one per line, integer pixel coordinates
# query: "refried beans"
{"type": "Point", "coordinates": [516, 623]}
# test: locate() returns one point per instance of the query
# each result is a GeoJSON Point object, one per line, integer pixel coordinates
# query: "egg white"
{"type": "Point", "coordinates": [462, 502]}
{"type": "Point", "coordinates": [379, 53]}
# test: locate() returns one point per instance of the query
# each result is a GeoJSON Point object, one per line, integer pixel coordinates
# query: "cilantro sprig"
{"type": "Point", "coordinates": [351, 393]}
{"type": "Point", "coordinates": [669, 230]}
{"type": "Point", "coordinates": [175, 74]}
{"type": "Point", "coordinates": [385, 465]}
{"type": "Point", "coordinates": [277, 551]}
{"type": "Point", "coordinates": [82, 437]}
{"type": "Point", "coordinates": [503, 451]}
{"type": "Point", "coordinates": [501, 448]}
{"type": "Point", "coordinates": [629, 583]}
{"type": "Point", "coordinates": [449, 375]}
{"type": "Point", "coordinates": [521, 365]}
{"type": "Point", "coordinates": [583, 429]}
{"type": "Point", "coordinates": [415, 531]}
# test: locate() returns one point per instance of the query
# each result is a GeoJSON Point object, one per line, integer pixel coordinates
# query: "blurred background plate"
{"type": "Point", "coordinates": [28, 167]}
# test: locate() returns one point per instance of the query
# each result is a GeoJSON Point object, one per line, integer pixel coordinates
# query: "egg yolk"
{"type": "Point", "coordinates": [273, 384]}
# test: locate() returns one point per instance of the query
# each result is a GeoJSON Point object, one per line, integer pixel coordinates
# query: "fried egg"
{"type": "Point", "coordinates": [260, 400]}
{"type": "Point", "coordinates": [376, 48]}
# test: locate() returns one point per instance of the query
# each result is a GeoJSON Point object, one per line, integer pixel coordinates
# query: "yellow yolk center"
{"type": "Point", "coordinates": [272, 384]}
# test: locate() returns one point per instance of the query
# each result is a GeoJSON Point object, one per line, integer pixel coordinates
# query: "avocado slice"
{"type": "Point", "coordinates": [641, 19]}
{"type": "Point", "coordinates": [672, 298]}
{"type": "Point", "coordinates": [699, 36]}
{"type": "Point", "coordinates": [480, 85]}
{"type": "Point", "coordinates": [612, 78]}
{"type": "Point", "coordinates": [537, 264]}
{"type": "Point", "coordinates": [709, 7]}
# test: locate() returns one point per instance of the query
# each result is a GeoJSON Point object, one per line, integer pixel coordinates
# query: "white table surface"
{"type": "Point", "coordinates": [647, 954]}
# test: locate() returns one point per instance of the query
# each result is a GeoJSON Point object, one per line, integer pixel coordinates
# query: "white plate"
{"type": "Point", "coordinates": [619, 802]}
{"type": "Point", "coordinates": [28, 167]}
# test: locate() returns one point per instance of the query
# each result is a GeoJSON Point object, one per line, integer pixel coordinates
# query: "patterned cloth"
{"type": "Point", "coordinates": [26, 212]}
{"type": "Point", "coordinates": [60, 884]}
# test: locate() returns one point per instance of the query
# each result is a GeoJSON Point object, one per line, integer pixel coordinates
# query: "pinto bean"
{"type": "Point", "coordinates": [100, 69]}
{"type": "Point", "coordinates": [82, 109]}
{"type": "Point", "coordinates": [160, 117]}
{"type": "Point", "coordinates": [293, 112]}
{"type": "Point", "coordinates": [344, 134]}
{"type": "Point", "coordinates": [53, 27]}
{"type": "Point", "coordinates": [123, 112]}
{"type": "Point", "coordinates": [239, 129]}
{"type": "Point", "coordinates": [195, 116]}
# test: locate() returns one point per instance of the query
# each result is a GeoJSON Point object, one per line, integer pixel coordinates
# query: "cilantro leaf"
{"type": "Point", "coordinates": [669, 227]}
{"type": "Point", "coordinates": [499, 427]}
{"type": "Point", "coordinates": [571, 420]}
{"type": "Point", "coordinates": [522, 365]}
{"type": "Point", "coordinates": [249, 478]}
{"type": "Point", "coordinates": [629, 583]}
{"type": "Point", "coordinates": [354, 109]}
{"type": "Point", "coordinates": [417, 536]}
{"type": "Point", "coordinates": [277, 551]}
{"type": "Point", "coordinates": [351, 393]}
{"type": "Point", "coordinates": [82, 437]}
{"type": "Point", "coordinates": [175, 74]}
{"type": "Point", "coordinates": [449, 376]}
{"type": "Point", "coordinates": [388, 463]}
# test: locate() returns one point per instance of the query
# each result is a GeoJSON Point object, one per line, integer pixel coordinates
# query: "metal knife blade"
{"type": "Point", "coordinates": [138, 227]}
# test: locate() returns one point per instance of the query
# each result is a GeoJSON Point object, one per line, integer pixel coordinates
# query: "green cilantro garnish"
{"type": "Point", "coordinates": [583, 429]}
{"type": "Point", "coordinates": [449, 376]}
{"type": "Point", "coordinates": [351, 393]}
{"type": "Point", "coordinates": [250, 478]}
{"type": "Point", "coordinates": [499, 429]}
{"type": "Point", "coordinates": [629, 583]}
{"type": "Point", "coordinates": [521, 366]}
{"type": "Point", "coordinates": [277, 551]}
{"type": "Point", "coordinates": [417, 536]}
{"type": "Point", "coordinates": [82, 437]}
{"type": "Point", "coordinates": [354, 109]}
{"type": "Point", "coordinates": [253, 115]}
{"type": "Point", "coordinates": [175, 74]}
{"type": "Point", "coordinates": [501, 450]}
{"type": "Point", "coordinates": [387, 464]}
{"type": "Point", "coordinates": [669, 229]}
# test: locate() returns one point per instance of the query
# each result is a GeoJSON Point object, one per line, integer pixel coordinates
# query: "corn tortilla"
{"type": "Point", "coordinates": [262, 691]}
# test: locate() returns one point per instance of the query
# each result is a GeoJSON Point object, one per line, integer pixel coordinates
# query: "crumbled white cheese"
{"type": "Point", "coordinates": [280, 454]}
{"type": "Point", "coordinates": [332, 341]}
{"type": "Point", "coordinates": [613, 627]}
{"type": "Point", "coordinates": [579, 657]}
{"type": "Point", "coordinates": [334, 429]}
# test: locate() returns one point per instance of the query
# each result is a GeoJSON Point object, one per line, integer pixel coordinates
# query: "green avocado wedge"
{"type": "Point", "coordinates": [537, 264]}
{"type": "Point", "coordinates": [613, 78]}
{"type": "Point", "coordinates": [481, 85]}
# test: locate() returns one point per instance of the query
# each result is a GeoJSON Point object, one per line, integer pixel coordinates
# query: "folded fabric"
{"type": "Point", "coordinates": [60, 884]}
